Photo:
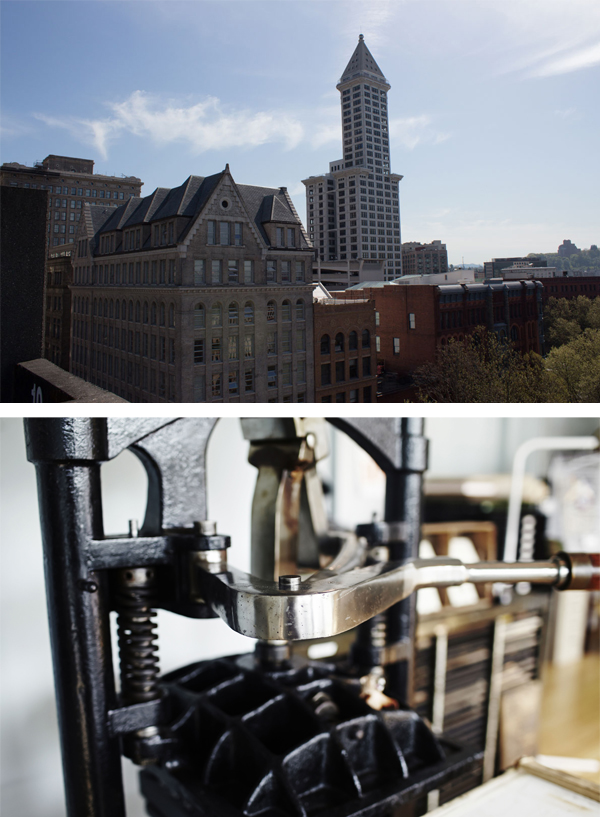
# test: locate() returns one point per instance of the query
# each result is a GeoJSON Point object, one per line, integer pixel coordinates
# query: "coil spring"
{"type": "Point", "coordinates": [137, 636]}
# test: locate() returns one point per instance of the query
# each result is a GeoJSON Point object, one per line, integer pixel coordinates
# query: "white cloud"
{"type": "Point", "coordinates": [203, 126]}
{"type": "Point", "coordinates": [576, 61]}
{"type": "Point", "coordinates": [408, 132]}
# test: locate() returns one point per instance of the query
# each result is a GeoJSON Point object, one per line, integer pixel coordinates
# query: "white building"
{"type": "Point", "coordinates": [353, 210]}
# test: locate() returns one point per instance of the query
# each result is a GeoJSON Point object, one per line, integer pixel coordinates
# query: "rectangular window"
{"type": "Point", "coordinates": [354, 395]}
{"type": "Point", "coordinates": [216, 350]}
{"type": "Point", "coordinates": [162, 271]}
{"type": "Point", "coordinates": [353, 371]}
{"type": "Point", "coordinates": [199, 272]}
{"type": "Point", "coordinates": [286, 271]}
{"type": "Point", "coordinates": [237, 234]}
{"type": "Point", "coordinates": [172, 351]}
{"type": "Point", "coordinates": [248, 272]}
{"type": "Point", "coordinates": [301, 371]}
{"type": "Point", "coordinates": [248, 346]}
{"type": "Point", "coordinates": [326, 374]}
{"type": "Point", "coordinates": [211, 232]}
{"type": "Point", "coordinates": [233, 383]}
{"type": "Point", "coordinates": [233, 347]}
{"type": "Point", "coordinates": [216, 272]}
{"type": "Point", "coordinates": [340, 397]}
{"type": "Point", "coordinates": [396, 346]}
{"type": "Point", "coordinates": [153, 272]}
{"type": "Point", "coordinates": [232, 270]}
{"type": "Point", "coordinates": [224, 232]}
{"type": "Point", "coordinates": [291, 237]}
{"type": "Point", "coordinates": [279, 236]}
{"type": "Point", "coordinates": [377, 319]}
{"type": "Point", "coordinates": [145, 272]}
{"type": "Point", "coordinates": [377, 343]}
{"type": "Point", "coordinates": [366, 366]}
{"type": "Point", "coordinates": [286, 341]}
{"type": "Point", "coordinates": [272, 377]}
{"type": "Point", "coordinates": [299, 270]}
{"type": "Point", "coordinates": [287, 373]}
{"type": "Point", "coordinates": [199, 350]}
{"type": "Point", "coordinates": [340, 373]}
{"type": "Point", "coordinates": [271, 270]}
{"type": "Point", "coordinates": [171, 271]}
{"type": "Point", "coordinates": [412, 324]}
{"type": "Point", "coordinates": [249, 380]}
{"type": "Point", "coordinates": [272, 343]}
{"type": "Point", "coordinates": [199, 388]}
{"type": "Point", "coordinates": [216, 385]}
{"type": "Point", "coordinates": [300, 340]}
{"type": "Point", "coordinates": [367, 394]}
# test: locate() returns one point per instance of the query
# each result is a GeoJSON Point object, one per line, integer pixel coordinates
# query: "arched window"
{"type": "Point", "coordinates": [137, 311]}
{"type": "Point", "coordinates": [106, 307]}
{"type": "Point", "coordinates": [339, 342]}
{"type": "Point", "coordinates": [171, 315]}
{"type": "Point", "coordinates": [111, 309]}
{"type": "Point", "coordinates": [199, 317]}
{"type": "Point", "coordinates": [130, 311]}
{"type": "Point", "coordinates": [366, 339]}
{"type": "Point", "coordinates": [153, 314]}
{"type": "Point", "coordinates": [353, 341]}
{"type": "Point", "coordinates": [325, 345]}
{"type": "Point", "coordinates": [234, 314]}
{"type": "Point", "coordinates": [271, 311]}
{"type": "Point", "coordinates": [286, 311]}
{"type": "Point", "coordinates": [117, 309]}
{"type": "Point", "coordinates": [123, 310]}
{"type": "Point", "coordinates": [145, 311]}
{"type": "Point", "coordinates": [299, 310]}
{"type": "Point", "coordinates": [162, 314]}
{"type": "Point", "coordinates": [216, 315]}
{"type": "Point", "coordinates": [87, 306]}
{"type": "Point", "coordinates": [248, 312]}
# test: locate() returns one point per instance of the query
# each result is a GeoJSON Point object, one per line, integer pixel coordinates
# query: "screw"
{"type": "Point", "coordinates": [205, 528]}
{"type": "Point", "coordinates": [87, 586]}
{"type": "Point", "coordinates": [289, 582]}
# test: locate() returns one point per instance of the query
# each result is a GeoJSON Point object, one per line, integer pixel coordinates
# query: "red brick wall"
{"type": "Point", "coordinates": [394, 305]}
{"type": "Point", "coordinates": [332, 319]}
{"type": "Point", "coordinates": [571, 287]}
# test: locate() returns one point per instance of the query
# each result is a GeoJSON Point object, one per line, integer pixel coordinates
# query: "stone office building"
{"type": "Point", "coordinates": [70, 182]}
{"type": "Point", "coordinates": [199, 293]}
{"type": "Point", "coordinates": [353, 210]}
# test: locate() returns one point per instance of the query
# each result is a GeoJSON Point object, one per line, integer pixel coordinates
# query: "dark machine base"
{"type": "Point", "coordinates": [295, 743]}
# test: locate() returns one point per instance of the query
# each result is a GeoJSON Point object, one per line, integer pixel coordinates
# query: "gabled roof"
{"type": "Point", "coordinates": [266, 204]}
{"type": "Point", "coordinates": [362, 63]}
{"type": "Point", "coordinates": [100, 215]}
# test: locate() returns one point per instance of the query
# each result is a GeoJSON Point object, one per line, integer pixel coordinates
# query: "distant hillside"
{"type": "Point", "coordinates": [585, 259]}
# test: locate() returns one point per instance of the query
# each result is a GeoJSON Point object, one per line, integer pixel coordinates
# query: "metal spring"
{"type": "Point", "coordinates": [137, 636]}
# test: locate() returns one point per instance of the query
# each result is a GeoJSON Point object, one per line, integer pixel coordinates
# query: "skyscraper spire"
{"type": "Point", "coordinates": [362, 64]}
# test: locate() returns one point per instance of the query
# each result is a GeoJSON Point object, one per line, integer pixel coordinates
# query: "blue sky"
{"type": "Point", "coordinates": [494, 114]}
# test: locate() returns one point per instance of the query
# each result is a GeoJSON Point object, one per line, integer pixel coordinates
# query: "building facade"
{"type": "Point", "coordinates": [493, 268]}
{"type": "Point", "coordinates": [345, 357]}
{"type": "Point", "coordinates": [424, 259]}
{"type": "Point", "coordinates": [201, 293]}
{"type": "Point", "coordinates": [70, 182]}
{"type": "Point", "coordinates": [353, 210]}
{"type": "Point", "coordinates": [414, 321]}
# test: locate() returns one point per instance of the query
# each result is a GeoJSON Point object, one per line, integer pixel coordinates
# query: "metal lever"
{"type": "Point", "coordinates": [329, 603]}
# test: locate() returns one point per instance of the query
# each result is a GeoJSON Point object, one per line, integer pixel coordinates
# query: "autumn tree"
{"type": "Point", "coordinates": [483, 369]}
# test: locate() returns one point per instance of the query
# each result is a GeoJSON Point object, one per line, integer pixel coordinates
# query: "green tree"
{"type": "Point", "coordinates": [482, 369]}
{"type": "Point", "coordinates": [566, 319]}
{"type": "Point", "coordinates": [574, 368]}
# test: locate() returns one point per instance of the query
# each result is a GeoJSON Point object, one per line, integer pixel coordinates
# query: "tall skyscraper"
{"type": "Point", "coordinates": [353, 210]}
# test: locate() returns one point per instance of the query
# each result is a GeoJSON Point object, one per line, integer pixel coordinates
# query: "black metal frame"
{"type": "Point", "coordinates": [68, 453]}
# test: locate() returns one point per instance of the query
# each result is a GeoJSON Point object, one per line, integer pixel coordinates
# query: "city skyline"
{"type": "Point", "coordinates": [492, 122]}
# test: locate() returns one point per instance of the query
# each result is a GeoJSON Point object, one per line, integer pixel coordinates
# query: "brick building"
{"type": "Point", "coordinates": [352, 212]}
{"type": "Point", "coordinates": [570, 286]}
{"type": "Point", "coordinates": [199, 293]}
{"type": "Point", "coordinates": [70, 182]}
{"type": "Point", "coordinates": [424, 259]}
{"type": "Point", "coordinates": [413, 321]}
{"type": "Point", "coordinates": [345, 355]}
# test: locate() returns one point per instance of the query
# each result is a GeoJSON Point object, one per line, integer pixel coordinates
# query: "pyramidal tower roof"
{"type": "Point", "coordinates": [362, 64]}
